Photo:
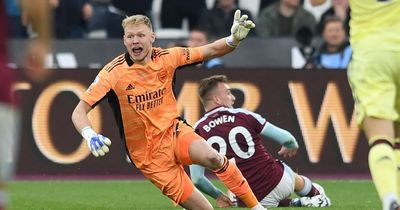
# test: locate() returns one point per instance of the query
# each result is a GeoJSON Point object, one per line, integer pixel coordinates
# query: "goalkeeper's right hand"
{"type": "Point", "coordinates": [98, 144]}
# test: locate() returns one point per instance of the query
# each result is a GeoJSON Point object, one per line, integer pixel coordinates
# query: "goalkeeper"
{"type": "Point", "coordinates": [139, 86]}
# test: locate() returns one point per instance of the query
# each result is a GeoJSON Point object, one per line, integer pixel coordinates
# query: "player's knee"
{"type": "Point", "coordinates": [299, 182]}
{"type": "Point", "coordinates": [215, 161]}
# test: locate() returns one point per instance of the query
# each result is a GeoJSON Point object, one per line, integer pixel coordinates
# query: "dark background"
{"type": "Point", "coordinates": [276, 105]}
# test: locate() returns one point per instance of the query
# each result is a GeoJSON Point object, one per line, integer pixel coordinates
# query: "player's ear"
{"type": "Point", "coordinates": [123, 38]}
{"type": "Point", "coordinates": [153, 37]}
{"type": "Point", "coordinates": [216, 99]}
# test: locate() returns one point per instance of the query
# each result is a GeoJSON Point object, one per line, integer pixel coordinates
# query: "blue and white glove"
{"type": "Point", "coordinates": [98, 144]}
{"type": "Point", "coordinates": [239, 30]}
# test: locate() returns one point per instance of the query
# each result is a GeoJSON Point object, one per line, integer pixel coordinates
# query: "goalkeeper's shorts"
{"type": "Point", "coordinates": [166, 169]}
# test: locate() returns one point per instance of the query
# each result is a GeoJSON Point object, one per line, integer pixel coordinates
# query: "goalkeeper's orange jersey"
{"type": "Point", "coordinates": [142, 97]}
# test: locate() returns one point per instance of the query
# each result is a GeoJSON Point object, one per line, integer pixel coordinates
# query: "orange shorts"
{"type": "Point", "coordinates": [166, 169]}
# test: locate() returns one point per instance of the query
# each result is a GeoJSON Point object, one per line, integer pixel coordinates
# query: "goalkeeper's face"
{"type": "Point", "coordinates": [138, 40]}
{"type": "Point", "coordinates": [224, 96]}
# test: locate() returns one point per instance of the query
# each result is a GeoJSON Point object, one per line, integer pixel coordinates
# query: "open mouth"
{"type": "Point", "coordinates": [137, 50]}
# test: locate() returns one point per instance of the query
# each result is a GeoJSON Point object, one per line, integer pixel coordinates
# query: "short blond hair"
{"type": "Point", "coordinates": [137, 19]}
{"type": "Point", "coordinates": [209, 84]}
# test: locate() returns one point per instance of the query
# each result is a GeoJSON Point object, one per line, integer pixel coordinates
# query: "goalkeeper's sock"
{"type": "Point", "coordinates": [382, 164]}
{"type": "Point", "coordinates": [233, 179]}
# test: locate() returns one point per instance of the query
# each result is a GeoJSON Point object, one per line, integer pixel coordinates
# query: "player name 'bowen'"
{"type": "Point", "coordinates": [218, 121]}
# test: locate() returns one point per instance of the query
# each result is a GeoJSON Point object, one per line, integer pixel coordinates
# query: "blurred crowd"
{"type": "Point", "coordinates": [303, 20]}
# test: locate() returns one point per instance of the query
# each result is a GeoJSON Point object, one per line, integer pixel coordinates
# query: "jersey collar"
{"type": "Point", "coordinates": [214, 109]}
{"type": "Point", "coordinates": [151, 64]}
{"type": "Point", "coordinates": [128, 59]}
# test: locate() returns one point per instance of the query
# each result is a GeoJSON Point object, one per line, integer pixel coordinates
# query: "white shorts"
{"type": "Point", "coordinates": [9, 127]}
{"type": "Point", "coordinates": [283, 190]}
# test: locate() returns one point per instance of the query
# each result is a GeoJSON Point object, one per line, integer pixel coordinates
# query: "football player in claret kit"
{"type": "Point", "coordinates": [235, 133]}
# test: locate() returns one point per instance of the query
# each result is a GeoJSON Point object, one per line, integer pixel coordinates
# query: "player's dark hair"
{"type": "Point", "coordinates": [208, 84]}
{"type": "Point", "coordinates": [331, 19]}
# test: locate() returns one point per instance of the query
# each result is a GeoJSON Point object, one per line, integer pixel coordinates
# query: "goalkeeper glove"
{"type": "Point", "coordinates": [98, 144]}
{"type": "Point", "coordinates": [240, 28]}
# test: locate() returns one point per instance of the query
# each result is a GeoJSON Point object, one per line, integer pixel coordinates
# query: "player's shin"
{"type": "Point", "coordinates": [233, 179]}
{"type": "Point", "coordinates": [383, 167]}
{"type": "Point", "coordinates": [397, 155]}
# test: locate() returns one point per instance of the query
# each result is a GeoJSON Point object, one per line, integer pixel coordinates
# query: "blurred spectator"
{"type": "Point", "coordinates": [215, 5]}
{"type": "Point", "coordinates": [37, 14]}
{"type": "Point", "coordinates": [335, 52]}
{"type": "Point", "coordinates": [99, 19]}
{"type": "Point", "coordinates": [284, 18]}
{"type": "Point", "coordinates": [341, 9]}
{"type": "Point", "coordinates": [218, 21]}
{"type": "Point", "coordinates": [15, 22]}
{"type": "Point", "coordinates": [317, 7]}
{"type": "Point", "coordinates": [264, 4]}
{"type": "Point", "coordinates": [197, 38]}
{"type": "Point", "coordinates": [175, 44]}
{"type": "Point", "coordinates": [71, 17]}
{"type": "Point", "coordinates": [119, 9]}
{"type": "Point", "coordinates": [174, 11]}
{"type": "Point", "coordinates": [304, 38]}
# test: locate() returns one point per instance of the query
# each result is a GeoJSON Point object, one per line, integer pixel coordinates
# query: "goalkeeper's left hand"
{"type": "Point", "coordinates": [240, 28]}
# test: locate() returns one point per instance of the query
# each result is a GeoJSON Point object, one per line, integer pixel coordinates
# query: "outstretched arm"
{"type": "Point", "coordinates": [283, 137]}
{"type": "Point", "coordinates": [240, 28]}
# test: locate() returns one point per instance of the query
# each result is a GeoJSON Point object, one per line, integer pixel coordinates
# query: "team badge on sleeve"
{"type": "Point", "coordinates": [96, 80]}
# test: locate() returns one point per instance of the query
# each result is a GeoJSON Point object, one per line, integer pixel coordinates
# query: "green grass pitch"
{"type": "Point", "coordinates": [140, 194]}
